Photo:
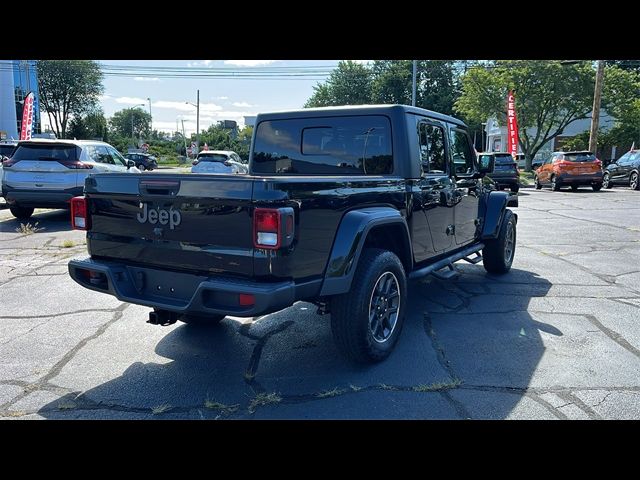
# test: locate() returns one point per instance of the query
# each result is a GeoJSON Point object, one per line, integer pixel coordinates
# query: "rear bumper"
{"type": "Point", "coordinates": [580, 179]}
{"type": "Point", "coordinates": [40, 198]}
{"type": "Point", "coordinates": [508, 179]}
{"type": "Point", "coordinates": [187, 293]}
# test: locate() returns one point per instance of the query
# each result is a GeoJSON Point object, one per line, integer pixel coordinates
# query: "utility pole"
{"type": "Point", "coordinates": [413, 91]}
{"type": "Point", "coordinates": [198, 123]}
{"type": "Point", "coordinates": [150, 117]}
{"type": "Point", "coordinates": [595, 114]}
{"type": "Point", "coordinates": [184, 137]}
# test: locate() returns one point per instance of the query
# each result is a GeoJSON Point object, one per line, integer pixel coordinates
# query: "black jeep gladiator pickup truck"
{"type": "Point", "coordinates": [341, 206]}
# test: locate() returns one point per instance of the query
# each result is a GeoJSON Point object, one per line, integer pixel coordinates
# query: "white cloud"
{"type": "Point", "coordinates": [185, 107]}
{"type": "Point", "coordinates": [242, 105]}
{"type": "Point", "coordinates": [221, 98]}
{"type": "Point", "coordinates": [146, 79]}
{"type": "Point", "coordinates": [105, 97]}
{"type": "Point", "coordinates": [363, 62]}
{"type": "Point", "coordinates": [248, 63]}
{"type": "Point", "coordinates": [202, 63]}
{"type": "Point", "coordinates": [130, 100]}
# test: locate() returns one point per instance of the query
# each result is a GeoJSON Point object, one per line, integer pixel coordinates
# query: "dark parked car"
{"type": "Point", "coordinates": [624, 171]}
{"type": "Point", "coordinates": [341, 207]}
{"type": "Point", "coordinates": [144, 161]}
{"type": "Point", "coordinates": [505, 172]}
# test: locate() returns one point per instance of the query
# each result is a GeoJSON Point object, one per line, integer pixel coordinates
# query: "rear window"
{"type": "Point", "coordinates": [504, 160]}
{"type": "Point", "coordinates": [355, 145]}
{"type": "Point", "coordinates": [46, 152]}
{"type": "Point", "coordinates": [213, 157]}
{"type": "Point", "coordinates": [579, 157]}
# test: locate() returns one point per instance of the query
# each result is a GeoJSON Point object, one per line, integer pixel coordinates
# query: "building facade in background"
{"type": "Point", "coordinates": [17, 79]}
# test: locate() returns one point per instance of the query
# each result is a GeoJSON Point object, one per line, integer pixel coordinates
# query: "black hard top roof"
{"type": "Point", "coordinates": [358, 110]}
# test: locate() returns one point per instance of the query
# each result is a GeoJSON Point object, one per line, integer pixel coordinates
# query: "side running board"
{"type": "Point", "coordinates": [447, 263]}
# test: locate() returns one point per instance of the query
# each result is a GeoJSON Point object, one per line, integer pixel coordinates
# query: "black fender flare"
{"type": "Point", "coordinates": [495, 206]}
{"type": "Point", "coordinates": [349, 241]}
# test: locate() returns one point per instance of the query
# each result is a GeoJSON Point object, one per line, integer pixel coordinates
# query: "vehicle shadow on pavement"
{"type": "Point", "coordinates": [47, 222]}
{"type": "Point", "coordinates": [468, 349]}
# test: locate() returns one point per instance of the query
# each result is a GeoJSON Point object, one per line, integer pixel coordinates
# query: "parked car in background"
{"type": "Point", "coordinates": [49, 173]}
{"type": "Point", "coordinates": [572, 169]}
{"type": "Point", "coordinates": [144, 161]}
{"type": "Point", "coordinates": [219, 161]}
{"type": "Point", "coordinates": [624, 171]}
{"type": "Point", "coordinates": [505, 172]}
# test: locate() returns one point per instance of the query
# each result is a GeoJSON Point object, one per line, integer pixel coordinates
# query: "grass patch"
{"type": "Point", "coordinates": [161, 409]}
{"type": "Point", "coordinates": [213, 405]}
{"type": "Point", "coordinates": [15, 413]}
{"type": "Point", "coordinates": [330, 393]}
{"type": "Point", "coordinates": [438, 386]}
{"type": "Point", "coordinates": [28, 228]}
{"type": "Point", "coordinates": [68, 244]}
{"type": "Point", "coordinates": [526, 178]}
{"type": "Point", "coordinates": [264, 399]}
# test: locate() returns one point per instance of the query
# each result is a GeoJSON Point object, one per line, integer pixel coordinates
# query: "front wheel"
{"type": "Point", "coordinates": [606, 181]}
{"type": "Point", "coordinates": [537, 183]}
{"type": "Point", "coordinates": [498, 253]}
{"type": "Point", "coordinates": [21, 213]}
{"type": "Point", "coordinates": [633, 181]}
{"type": "Point", "coordinates": [596, 187]}
{"type": "Point", "coordinates": [555, 184]}
{"type": "Point", "coordinates": [142, 168]}
{"type": "Point", "coordinates": [366, 322]}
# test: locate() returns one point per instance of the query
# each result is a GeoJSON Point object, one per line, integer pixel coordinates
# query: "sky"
{"type": "Point", "coordinates": [220, 99]}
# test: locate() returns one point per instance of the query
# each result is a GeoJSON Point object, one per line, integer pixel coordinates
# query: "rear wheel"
{"type": "Point", "coordinates": [596, 187]}
{"type": "Point", "coordinates": [537, 183]}
{"type": "Point", "coordinates": [633, 181]}
{"type": "Point", "coordinates": [498, 254]}
{"type": "Point", "coordinates": [606, 181]}
{"type": "Point", "coordinates": [142, 168]}
{"type": "Point", "coordinates": [21, 213]}
{"type": "Point", "coordinates": [366, 322]}
{"type": "Point", "coordinates": [515, 188]}
{"type": "Point", "coordinates": [201, 320]}
{"type": "Point", "coordinates": [574, 188]}
{"type": "Point", "coordinates": [555, 184]}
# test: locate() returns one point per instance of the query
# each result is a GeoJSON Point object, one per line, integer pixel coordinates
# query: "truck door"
{"type": "Point", "coordinates": [436, 185]}
{"type": "Point", "coordinates": [466, 200]}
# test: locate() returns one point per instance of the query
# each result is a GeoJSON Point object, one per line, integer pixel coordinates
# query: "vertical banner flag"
{"type": "Point", "coordinates": [512, 124]}
{"type": "Point", "coordinates": [27, 117]}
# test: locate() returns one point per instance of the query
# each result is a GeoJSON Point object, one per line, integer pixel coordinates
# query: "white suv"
{"type": "Point", "coordinates": [49, 173]}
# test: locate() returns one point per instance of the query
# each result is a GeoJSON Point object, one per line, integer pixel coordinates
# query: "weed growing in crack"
{"type": "Point", "coordinates": [213, 405]}
{"type": "Point", "coordinates": [330, 393]}
{"type": "Point", "coordinates": [384, 386]}
{"type": "Point", "coordinates": [264, 399]}
{"type": "Point", "coordinates": [68, 244]}
{"type": "Point", "coordinates": [66, 405]}
{"type": "Point", "coordinates": [355, 388]}
{"type": "Point", "coordinates": [28, 228]}
{"type": "Point", "coordinates": [161, 409]}
{"type": "Point", "coordinates": [438, 386]}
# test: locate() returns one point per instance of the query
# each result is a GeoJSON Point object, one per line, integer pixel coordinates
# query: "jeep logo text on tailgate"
{"type": "Point", "coordinates": [159, 215]}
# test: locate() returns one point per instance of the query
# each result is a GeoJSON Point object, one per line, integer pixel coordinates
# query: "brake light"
{"type": "Point", "coordinates": [79, 213]}
{"type": "Point", "coordinates": [75, 164]}
{"type": "Point", "coordinates": [597, 162]}
{"type": "Point", "coordinates": [266, 228]}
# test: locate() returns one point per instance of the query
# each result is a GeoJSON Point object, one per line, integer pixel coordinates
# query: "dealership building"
{"type": "Point", "coordinates": [17, 79]}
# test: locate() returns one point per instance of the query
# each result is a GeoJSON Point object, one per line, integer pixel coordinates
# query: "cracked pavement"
{"type": "Point", "coordinates": [556, 338]}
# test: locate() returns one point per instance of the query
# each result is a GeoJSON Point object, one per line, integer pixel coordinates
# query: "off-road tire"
{"type": "Point", "coordinates": [350, 312]}
{"type": "Point", "coordinates": [494, 254]}
{"type": "Point", "coordinates": [21, 213]}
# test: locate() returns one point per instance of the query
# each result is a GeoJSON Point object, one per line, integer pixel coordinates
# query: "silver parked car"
{"type": "Point", "coordinates": [45, 173]}
{"type": "Point", "coordinates": [219, 161]}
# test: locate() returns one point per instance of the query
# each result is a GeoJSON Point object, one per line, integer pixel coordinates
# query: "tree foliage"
{"type": "Point", "coordinates": [68, 88]}
{"type": "Point", "coordinates": [348, 84]}
{"type": "Point", "coordinates": [131, 122]}
{"type": "Point", "coordinates": [549, 96]}
{"type": "Point", "coordinates": [92, 125]}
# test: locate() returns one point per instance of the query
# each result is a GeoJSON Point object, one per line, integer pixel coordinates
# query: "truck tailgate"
{"type": "Point", "coordinates": [183, 222]}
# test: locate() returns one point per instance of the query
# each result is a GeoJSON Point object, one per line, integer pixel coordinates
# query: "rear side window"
{"type": "Point", "coordinates": [356, 145]}
{"type": "Point", "coordinates": [46, 152]}
{"type": "Point", "coordinates": [432, 149]}
{"type": "Point", "coordinates": [7, 150]}
{"type": "Point", "coordinates": [461, 152]}
{"type": "Point", "coordinates": [213, 157]}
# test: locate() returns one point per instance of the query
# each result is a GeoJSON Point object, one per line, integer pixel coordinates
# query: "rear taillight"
{"type": "Point", "coordinates": [9, 162]}
{"type": "Point", "coordinates": [79, 213]}
{"type": "Point", "coordinates": [598, 163]}
{"type": "Point", "coordinates": [273, 228]}
{"type": "Point", "coordinates": [75, 164]}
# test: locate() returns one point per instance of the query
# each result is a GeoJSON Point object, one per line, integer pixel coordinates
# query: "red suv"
{"type": "Point", "coordinates": [570, 169]}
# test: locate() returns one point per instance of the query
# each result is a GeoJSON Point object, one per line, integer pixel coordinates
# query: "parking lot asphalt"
{"type": "Point", "coordinates": [556, 338]}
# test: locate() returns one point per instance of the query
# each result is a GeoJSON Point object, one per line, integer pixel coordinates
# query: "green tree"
{"type": "Point", "coordinates": [91, 125]}
{"type": "Point", "coordinates": [348, 84]}
{"type": "Point", "coordinates": [68, 88]}
{"type": "Point", "coordinates": [549, 96]}
{"type": "Point", "coordinates": [131, 122]}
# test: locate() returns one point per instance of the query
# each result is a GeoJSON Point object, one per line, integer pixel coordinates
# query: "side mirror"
{"type": "Point", "coordinates": [536, 165]}
{"type": "Point", "coordinates": [195, 162]}
{"type": "Point", "coordinates": [486, 163]}
{"type": "Point", "coordinates": [130, 164]}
